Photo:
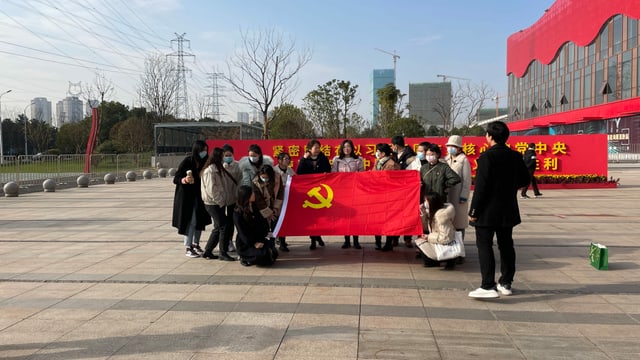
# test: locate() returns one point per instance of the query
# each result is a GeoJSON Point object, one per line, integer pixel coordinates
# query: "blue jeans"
{"type": "Point", "coordinates": [193, 236]}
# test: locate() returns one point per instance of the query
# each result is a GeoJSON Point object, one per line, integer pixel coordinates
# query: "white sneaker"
{"type": "Point", "coordinates": [481, 293]}
{"type": "Point", "coordinates": [191, 253]}
{"type": "Point", "coordinates": [505, 289]}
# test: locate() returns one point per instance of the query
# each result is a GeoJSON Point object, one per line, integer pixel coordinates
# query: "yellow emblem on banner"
{"type": "Point", "coordinates": [323, 202]}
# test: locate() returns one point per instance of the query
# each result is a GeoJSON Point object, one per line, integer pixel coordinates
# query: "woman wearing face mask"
{"type": "Point", "coordinates": [436, 175]}
{"type": "Point", "coordinates": [385, 160]}
{"type": "Point", "coordinates": [348, 161]}
{"type": "Point", "coordinates": [189, 214]}
{"type": "Point", "coordinates": [459, 193]}
{"type": "Point", "coordinates": [269, 195]}
{"type": "Point", "coordinates": [218, 185]}
{"type": "Point", "coordinates": [420, 159]}
{"type": "Point", "coordinates": [249, 165]}
{"type": "Point", "coordinates": [314, 162]}
{"type": "Point", "coordinates": [233, 167]}
{"type": "Point", "coordinates": [253, 246]}
{"type": "Point", "coordinates": [284, 171]}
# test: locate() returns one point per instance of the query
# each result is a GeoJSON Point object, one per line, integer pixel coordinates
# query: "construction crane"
{"type": "Point", "coordinates": [395, 59]}
{"type": "Point", "coordinates": [497, 98]}
{"type": "Point", "coordinates": [445, 77]}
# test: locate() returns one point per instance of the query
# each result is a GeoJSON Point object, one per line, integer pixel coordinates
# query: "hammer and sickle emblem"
{"type": "Point", "coordinates": [323, 202]}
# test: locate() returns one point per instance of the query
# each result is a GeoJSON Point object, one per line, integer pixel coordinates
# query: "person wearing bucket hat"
{"type": "Point", "coordinates": [459, 193]}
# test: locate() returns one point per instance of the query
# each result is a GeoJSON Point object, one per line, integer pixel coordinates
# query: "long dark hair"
{"type": "Point", "coordinates": [256, 149]}
{"type": "Point", "coordinates": [267, 170]}
{"type": "Point", "coordinates": [341, 153]}
{"type": "Point", "coordinates": [215, 159]}
{"type": "Point", "coordinates": [198, 146]}
{"type": "Point", "coordinates": [386, 149]}
{"type": "Point", "coordinates": [435, 203]}
{"type": "Point", "coordinates": [243, 205]}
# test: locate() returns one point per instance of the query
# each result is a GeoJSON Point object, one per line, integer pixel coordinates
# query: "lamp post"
{"type": "Point", "coordinates": [26, 120]}
{"type": "Point", "coordinates": [1, 145]}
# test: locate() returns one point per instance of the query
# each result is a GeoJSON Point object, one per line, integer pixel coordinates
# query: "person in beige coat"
{"type": "Point", "coordinates": [459, 194]}
{"type": "Point", "coordinates": [437, 222]}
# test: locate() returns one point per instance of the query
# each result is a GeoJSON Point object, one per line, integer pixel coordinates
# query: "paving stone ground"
{"type": "Point", "coordinates": [99, 273]}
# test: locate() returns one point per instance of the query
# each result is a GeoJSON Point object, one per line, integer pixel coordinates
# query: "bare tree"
{"type": "Point", "coordinates": [263, 69]}
{"type": "Point", "coordinates": [463, 104]}
{"type": "Point", "coordinates": [100, 89]}
{"type": "Point", "coordinates": [159, 85]}
{"type": "Point", "coordinates": [203, 104]}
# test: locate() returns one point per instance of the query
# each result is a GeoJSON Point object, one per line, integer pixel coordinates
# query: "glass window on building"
{"type": "Point", "coordinates": [561, 60]}
{"type": "Point", "coordinates": [580, 61]}
{"type": "Point", "coordinates": [612, 80]}
{"type": "Point", "coordinates": [626, 74]}
{"type": "Point", "coordinates": [586, 94]}
{"type": "Point", "coordinates": [617, 34]}
{"type": "Point", "coordinates": [576, 89]}
{"type": "Point", "coordinates": [570, 56]}
{"type": "Point", "coordinates": [604, 42]}
{"type": "Point", "coordinates": [599, 82]}
{"type": "Point", "coordinates": [591, 53]}
{"type": "Point", "coordinates": [566, 90]}
{"type": "Point", "coordinates": [632, 33]}
{"type": "Point", "coordinates": [558, 95]}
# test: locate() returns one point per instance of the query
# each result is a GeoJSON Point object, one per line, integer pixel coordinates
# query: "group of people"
{"type": "Point", "coordinates": [247, 195]}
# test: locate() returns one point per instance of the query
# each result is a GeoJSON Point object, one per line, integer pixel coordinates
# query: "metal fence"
{"type": "Point", "coordinates": [31, 170]}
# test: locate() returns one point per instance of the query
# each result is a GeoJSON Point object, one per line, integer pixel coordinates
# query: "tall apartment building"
{"type": "Point", "coordinates": [68, 110]}
{"type": "Point", "coordinates": [430, 103]}
{"type": "Point", "coordinates": [243, 117]}
{"type": "Point", "coordinates": [41, 109]}
{"type": "Point", "coordinates": [379, 79]}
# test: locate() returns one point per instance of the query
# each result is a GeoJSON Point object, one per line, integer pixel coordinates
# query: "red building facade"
{"type": "Point", "coordinates": [577, 71]}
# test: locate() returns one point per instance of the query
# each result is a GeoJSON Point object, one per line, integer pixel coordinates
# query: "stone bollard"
{"type": "Point", "coordinates": [172, 172]}
{"type": "Point", "coordinates": [109, 178]}
{"type": "Point", "coordinates": [131, 176]}
{"type": "Point", "coordinates": [11, 189]}
{"type": "Point", "coordinates": [82, 181]}
{"type": "Point", "coordinates": [49, 185]}
{"type": "Point", "coordinates": [147, 174]}
{"type": "Point", "coordinates": [162, 172]}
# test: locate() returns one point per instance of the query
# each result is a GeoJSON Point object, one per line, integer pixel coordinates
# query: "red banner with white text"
{"type": "Point", "coordinates": [361, 203]}
{"type": "Point", "coordinates": [557, 154]}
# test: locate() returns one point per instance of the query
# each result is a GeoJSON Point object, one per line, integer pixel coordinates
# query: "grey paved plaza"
{"type": "Point", "coordinates": [99, 273]}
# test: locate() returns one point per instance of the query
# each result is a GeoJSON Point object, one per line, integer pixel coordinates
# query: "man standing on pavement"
{"type": "Point", "coordinates": [494, 210]}
{"type": "Point", "coordinates": [531, 163]}
{"type": "Point", "coordinates": [405, 156]}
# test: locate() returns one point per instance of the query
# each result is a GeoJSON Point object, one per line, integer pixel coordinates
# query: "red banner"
{"type": "Point", "coordinates": [361, 203]}
{"type": "Point", "coordinates": [557, 154]}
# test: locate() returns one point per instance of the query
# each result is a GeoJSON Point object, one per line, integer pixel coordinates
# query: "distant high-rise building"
{"type": "Point", "coordinates": [68, 110]}
{"type": "Point", "coordinates": [243, 117]}
{"type": "Point", "coordinates": [41, 109]}
{"type": "Point", "coordinates": [379, 79]}
{"type": "Point", "coordinates": [430, 102]}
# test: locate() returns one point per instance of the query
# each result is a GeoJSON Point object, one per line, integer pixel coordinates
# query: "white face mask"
{"type": "Point", "coordinates": [203, 154]}
{"type": "Point", "coordinates": [431, 158]}
{"type": "Point", "coordinates": [264, 179]}
{"type": "Point", "coordinates": [378, 155]}
{"type": "Point", "coordinates": [254, 159]}
{"type": "Point", "coordinates": [452, 150]}
{"type": "Point", "coordinates": [420, 155]}
{"type": "Point", "coordinates": [426, 205]}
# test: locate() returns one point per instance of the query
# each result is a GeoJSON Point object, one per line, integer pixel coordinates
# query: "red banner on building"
{"type": "Point", "coordinates": [362, 203]}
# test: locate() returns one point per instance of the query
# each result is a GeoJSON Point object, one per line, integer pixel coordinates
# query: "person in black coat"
{"type": "Point", "coordinates": [252, 244]}
{"type": "Point", "coordinates": [314, 162]}
{"type": "Point", "coordinates": [531, 163]}
{"type": "Point", "coordinates": [189, 214]}
{"type": "Point", "coordinates": [494, 209]}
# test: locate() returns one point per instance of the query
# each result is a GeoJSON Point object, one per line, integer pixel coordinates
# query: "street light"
{"type": "Point", "coordinates": [1, 145]}
{"type": "Point", "coordinates": [24, 113]}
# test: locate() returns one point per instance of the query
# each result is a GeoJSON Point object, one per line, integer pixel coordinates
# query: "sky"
{"type": "Point", "coordinates": [45, 45]}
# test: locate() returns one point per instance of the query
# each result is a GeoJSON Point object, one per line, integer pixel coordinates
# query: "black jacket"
{"type": "Point", "coordinates": [500, 173]}
{"type": "Point", "coordinates": [529, 158]}
{"type": "Point", "coordinates": [308, 166]}
{"type": "Point", "coordinates": [187, 196]}
{"type": "Point", "coordinates": [251, 230]}
{"type": "Point", "coordinates": [406, 158]}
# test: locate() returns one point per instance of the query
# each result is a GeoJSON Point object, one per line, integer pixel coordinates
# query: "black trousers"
{"type": "Point", "coordinates": [484, 242]}
{"type": "Point", "coordinates": [221, 223]}
{"type": "Point", "coordinates": [534, 185]}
